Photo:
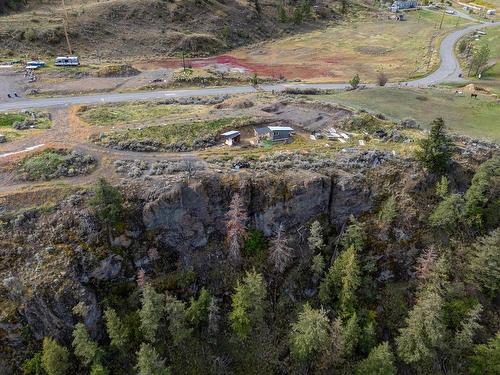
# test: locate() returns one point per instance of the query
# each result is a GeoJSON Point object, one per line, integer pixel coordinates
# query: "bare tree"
{"type": "Point", "coordinates": [236, 230]}
{"type": "Point", "coordinates": [281, 254]}
{"type": "Point", "coordinates": [425, 263]}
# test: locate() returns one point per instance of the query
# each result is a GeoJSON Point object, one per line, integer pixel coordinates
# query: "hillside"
{"type": "Point", "coordinates": [123, 28]}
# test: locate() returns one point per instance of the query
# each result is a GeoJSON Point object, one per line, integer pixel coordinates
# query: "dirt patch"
{"type": "Point", "coordinates": [309, 116]}
{"type": "Point", "coordinates": [124, 70]}
{"type": "Point", "coordinates": [372, 50]}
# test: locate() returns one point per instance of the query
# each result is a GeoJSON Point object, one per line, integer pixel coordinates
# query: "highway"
{"type": "Point", "coordinates": [447, 71]}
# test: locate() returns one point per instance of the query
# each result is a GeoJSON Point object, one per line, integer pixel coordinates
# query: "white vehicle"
{"type": "Point", "coordinates": [450, 11]}
{"type": "Point", "coordinates": [37, 63]}
{"type": "Point", "coordinates": [491, 12]}
{"type": "Point", "coordinates": [67, 61]}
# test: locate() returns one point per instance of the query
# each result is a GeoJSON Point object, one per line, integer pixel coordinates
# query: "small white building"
{"type": "Point", "coordinates": [231, 137]}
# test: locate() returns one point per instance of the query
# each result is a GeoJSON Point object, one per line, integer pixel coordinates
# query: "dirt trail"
{"type": "Point", "coordinates": [69, 132]}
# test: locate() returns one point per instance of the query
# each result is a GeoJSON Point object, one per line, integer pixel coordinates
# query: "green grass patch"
{"type": "Point", "coordinates": [41, 165]}
{"type": "Point", "coordinates": [8, 119]}
{"type": "Point", "coordinates": [129, 113]}
{"type": "Point", "coordinates": [171, 137]}
{"type": "Point", "coordinates": [476, 118]}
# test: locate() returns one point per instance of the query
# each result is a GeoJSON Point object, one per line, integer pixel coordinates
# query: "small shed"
{"type": "Point", "coordinates": [274, 133]}
{"type": "Point", "coordinates": [231, 137]}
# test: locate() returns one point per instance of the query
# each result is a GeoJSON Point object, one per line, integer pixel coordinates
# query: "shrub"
{"type": "Point", "coordinates": [354, 82]}
{"type": "Point", "coordinates": [486, 358]}
{"type": "Point", "coordinates": [42, 165]}
{"type": "Point", "coordinates": [382, 79]}
{"type": "Point", "coordinates": [107, 203]}
{"type": "Point", "coordinates": [30, 35]}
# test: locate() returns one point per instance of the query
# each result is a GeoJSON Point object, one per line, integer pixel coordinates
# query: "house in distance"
{"type": "Point", "coordinates": [273, 133]}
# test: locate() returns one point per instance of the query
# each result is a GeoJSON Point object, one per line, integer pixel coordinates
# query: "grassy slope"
{"type": "Point", "coordinates": [362, 46]}
{"type": "Point", "coordinates": [477, 118]}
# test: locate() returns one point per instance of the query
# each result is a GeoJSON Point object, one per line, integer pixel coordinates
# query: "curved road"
{"type": "Point", "coordinates": [448, 70]}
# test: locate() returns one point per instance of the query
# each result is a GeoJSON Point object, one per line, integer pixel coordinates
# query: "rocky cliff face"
{"type": "Point", "coordinates": [53, 263]}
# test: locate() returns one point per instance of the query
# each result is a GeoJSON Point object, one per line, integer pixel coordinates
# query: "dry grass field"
{"type": "Point", "coordinates": [365, 46]}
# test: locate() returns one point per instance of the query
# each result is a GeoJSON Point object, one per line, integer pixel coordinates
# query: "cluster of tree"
{"type": "Point", "coordinates": [11, 5]}
{"type": "Point", "coordinates": [266, 322]}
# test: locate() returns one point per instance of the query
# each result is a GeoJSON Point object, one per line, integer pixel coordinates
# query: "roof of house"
{"type": "Point", "coordinates": [278, 128]}
{"type": "Point", "coordinates": [231, 134]}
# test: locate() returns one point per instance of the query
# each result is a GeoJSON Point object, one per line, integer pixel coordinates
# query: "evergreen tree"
{"type": "Point", "coordinates": [280, 254]}
{"type": "Point", "coordinates": [84, 347]}
{"type": "Point", "coordinates": [282, 15]}
{"type": "Point", "coordinates": [108, 203]}
{"type": "Point", "coordinates": [344, 272]}
{"type": "Point", "coordinates": [98, 369]}
{"type": "Point", "coordinates": [463, 342]}
{"type": "Point", "coordinates": [482, 199]}
{"type": "Point", "coordinates": [315, 238]}
{"type": "Point", "coordinates": [318, 265]}
{"type": "Point", "coordinates": [486, 358]}
{"type": "Point", "coordinates": [354, 235]}
{"type": "Point", "coordinates": [484, 263]}
{"type": "Point", "coordinates": [198, 311]}
{"type": "Point", "coordinates": [153, 308]}
{"type": "Point", "coordinates": [424, 330]}
{"type": "Point", "coordinates": [149, 362]}
{"type": "Point", "coordinates": [350, 335]}
{"type": "Point", "coordinates": [354, 82]}
{"type": "Point", "coordinates": [33, 366]}
{"type": "Point", "coordinates": [388, 212]}
{"type": "Point", "coordinates": [309, 334]}
{"type": "Point", "coordinates": [117, 332]}
{"type": "Point", "coordinates": [442, 187]}
{"type": "Point", "coordinates": [177, 316]}
{"type": "Point", "coordinates": [380, 361]}
{"type": "Point", "coordinates": [55, 358]}
{"type": "Point", "coordinates": [436, 150]}
{"type": "Point", "coordinates": [236, 218]}
{"type": "Point", "coordinates": [247, 308]}
{"type": "Point", "coordinates": [448, 213]}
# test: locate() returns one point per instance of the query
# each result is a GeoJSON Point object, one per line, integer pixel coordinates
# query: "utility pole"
{"type": "Point", "coordinates": [442, 18]}
{"type": "Point", "coordinates": [65, 23]}
{"type": "Point", "coordinates": [183, 61]}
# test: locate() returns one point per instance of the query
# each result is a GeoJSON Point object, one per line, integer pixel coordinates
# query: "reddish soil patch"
{"type": "Point", "coordinates": [288, 71]}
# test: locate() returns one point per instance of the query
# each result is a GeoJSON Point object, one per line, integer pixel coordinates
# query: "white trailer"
{"type": "Point", "coordinates": [67, 61]}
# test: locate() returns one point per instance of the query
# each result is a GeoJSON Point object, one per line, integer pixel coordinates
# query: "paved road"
{"type": "Point", "coordinates": [448, 70]}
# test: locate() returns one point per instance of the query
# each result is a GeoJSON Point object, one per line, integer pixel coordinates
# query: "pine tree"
{"type": "Point", "coordinates": [436, 150]}
{"type": "Point", "coordinates": [484, 263]}
{"type": "Point", "coordinates": [380, 361]}
{"type": "Point", "coordinates": [486, 358]}
{"type": "Point", "coordinates": [442, 187]}
{"type": "Point", "coordinates": [98, 369]}
{"type": "Point", "coordinates": [84, 347]}
{"type": "Point", "coordinates": [315, 238]}
{"type": "Point", "coordinates": [344, 272]}
{"type": "Point", "coordinates": [151, 313]}
{"type": "Point", "coordinates": [117, 332]}
{"type": "Point", "coordinates": [149, 362]}
{"type": "Point", "coordinates": [236, 218]}
{"type": "Point", "coordinates": [350, 335]}
{"type": "Point", "coordinates": [280, 254]}
{"type": "Point", "coordinates": [424, 330]}
{"type": "Point", "coordinates": [247, 308]}
{"type": "Point", "coordinates": [388, 212]}
{"type": "Point", "coordinates": [55, 358]}
{"type": "Point", "coordinates": [177, 316]}
{"type": "Point", "coordinates": [108, 203]}
{"type": "Point", "coordinates": [354, 235]}
{"type": "Point", "coordinates": [482, 201]}
{"type": "Point", "coordinates": [213, 317]}
{"type": "Point", "coordinates": [318, 265]}
{"type": "Point", "coordinates": [448, 213]}
{"type": "Point", "coordinates": [309, 335]}
{"type": "Point", "coordinates": [198, 311]}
